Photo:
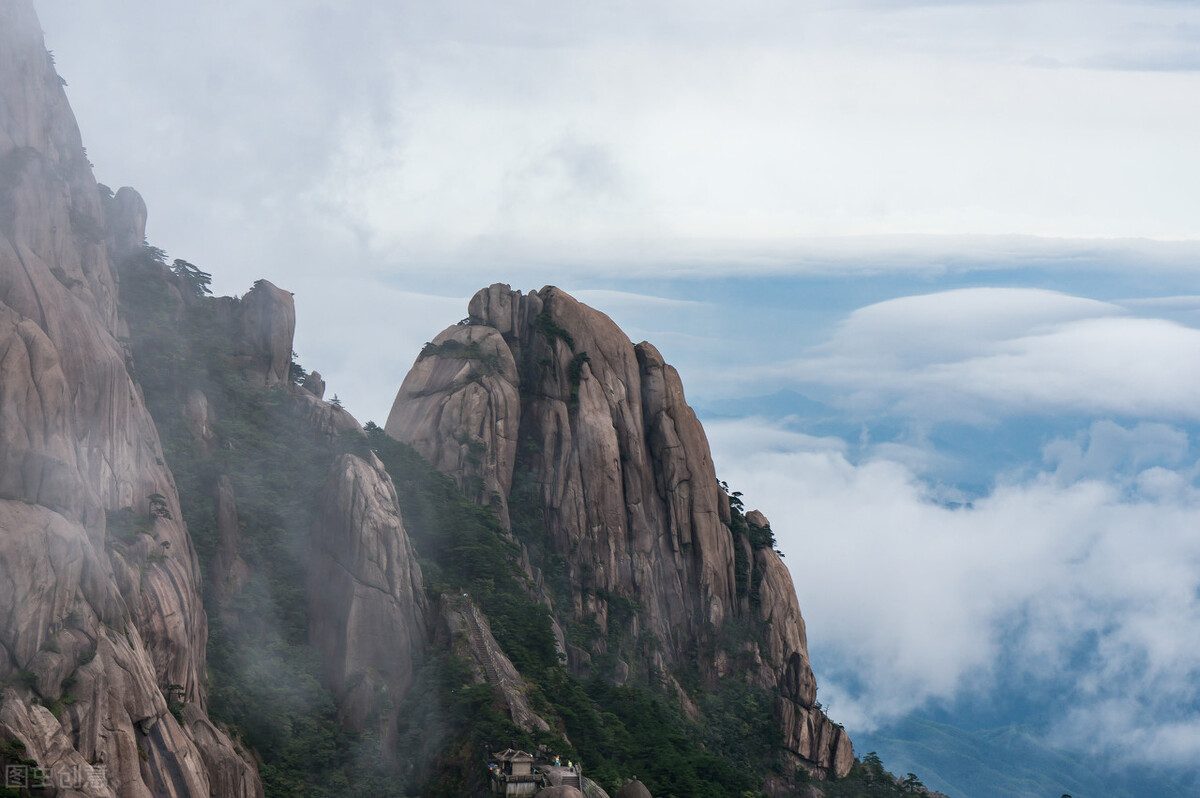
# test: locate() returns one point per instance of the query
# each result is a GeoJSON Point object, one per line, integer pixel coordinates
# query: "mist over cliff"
{"type": "Point", "coordinates": [104, 626]}
{"type": "Point", "coordinates": [217, 582]}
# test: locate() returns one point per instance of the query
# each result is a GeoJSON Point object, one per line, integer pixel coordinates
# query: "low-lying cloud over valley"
{"type": "Point", "coordinates": [1085, 580]}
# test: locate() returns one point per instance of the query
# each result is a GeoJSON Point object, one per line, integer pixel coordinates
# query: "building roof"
{"type": "Point", "coordinates": [511, 755]}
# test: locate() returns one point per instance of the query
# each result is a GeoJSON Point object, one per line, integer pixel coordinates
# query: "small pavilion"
{"type": "Point", "coordinates": [513, 773]}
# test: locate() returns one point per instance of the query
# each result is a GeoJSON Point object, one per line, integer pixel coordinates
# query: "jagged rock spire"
{"type": "Point", "coordinates": [540, 395]}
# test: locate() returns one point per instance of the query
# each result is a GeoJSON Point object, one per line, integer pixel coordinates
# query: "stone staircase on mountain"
{"type": "Point", "coordinates": [480, 647]}
{"type": "Point", "coordinates": [463, 617]}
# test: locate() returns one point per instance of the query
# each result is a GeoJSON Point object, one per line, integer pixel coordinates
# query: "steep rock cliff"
{"type": "Point", "coordinates": [460, 408]}
{"type": "Point", "coordinates": [266, 323]}
{"type": "Point", "coordinates": [302, 541]}
{"type": "Point", "coordinates": [366, 604]}
{"type": "Point", "coordinates": [102, 617]}
{"type": "Point", "coordinates": [542, 402]}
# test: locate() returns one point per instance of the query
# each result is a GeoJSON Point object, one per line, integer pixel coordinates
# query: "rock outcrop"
{"type": "Point", "coordinates": [542, 397]}
{"type": "Point", "coordinates": [199, 419]}
{"type": "Point", "coordinates": [632, 788]}
{"type": "Point", "coordinates": [367, 605]}
{"type": "Point", "coordinates": [127, 215]}
{"type": "Point", "coordinates": [228, 571]}
{"type": "Point", "coordinates": [806, 730]}
{"type": "Point", "coordinates": [561, 791]}
{"type": "Point", "coordinates": [265, 320]}
{"type": "Point", "coordinates": [460, 408]}
{"type": "Point", "coordinates": [101, 611]}
{"type": "Point", "coordinates": [314, 384]}
{"type": "Point", "coordinates": [325, 418]}
{"type": "Point", "coordinates": [623, 503]}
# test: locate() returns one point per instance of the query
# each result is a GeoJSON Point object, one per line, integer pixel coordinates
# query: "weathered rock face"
{"type": "Point", "coordinates": [199, 418]}
{"type": "Point", "coordinates": [101, 579]}
{"type": "Point", "coordinates": [807, 732]}
{"type": "Point", "coordinates": [266, 318]}
{"type": "Point", "coordinates": [314, 384]}
{"type": "Point", "coordinates": [228, 571]}
{"type": "Point", "coordinates": [324, 418]}
{"type": "Point", "coordinates": [622, 512]}
{"type": "Point", "coordinates": [461, 409]}
{"type": "Point", "coordinates": [226, 776]}
{"type": "Point", "coordinates": [366, 603]}
{"type": "Point", "coordinates": [541, 396]}
{"type": "Point", "coordinates": [561, 791]}
{"type": "Point", "coordinates": [127, 216]}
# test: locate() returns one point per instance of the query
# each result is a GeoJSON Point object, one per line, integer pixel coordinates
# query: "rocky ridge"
{"type": "Point", "coordinates": [539, 399]}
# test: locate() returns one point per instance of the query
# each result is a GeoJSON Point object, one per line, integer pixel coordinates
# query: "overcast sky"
{"type": "Point", "coordinates": [980, 214]}
{"type": "Point", "coordinates": [584, 144]}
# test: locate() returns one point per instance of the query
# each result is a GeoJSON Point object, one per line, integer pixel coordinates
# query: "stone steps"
{"type": "Point", "coordinates": [475, 635]}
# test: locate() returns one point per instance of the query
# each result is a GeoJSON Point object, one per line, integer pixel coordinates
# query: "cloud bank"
{"type": "Point", "coordinates": [1084, 576]}
{"type": "Point", "coordinates": [972, 354]}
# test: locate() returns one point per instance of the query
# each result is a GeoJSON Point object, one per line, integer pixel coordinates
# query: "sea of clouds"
{"type": "Point", "coordinates": [1079, 571]}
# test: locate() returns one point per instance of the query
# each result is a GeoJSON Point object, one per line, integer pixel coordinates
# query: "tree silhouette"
{"type": "Point", "coordinates": [196, 279]}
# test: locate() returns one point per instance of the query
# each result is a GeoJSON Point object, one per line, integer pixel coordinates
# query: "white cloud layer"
{"type": "Point", "coordinates": [917, 600]}
{"type": "Point", "coordinates": [713, 135]}
{"type": "Point", "coordinates": [970, 354]}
